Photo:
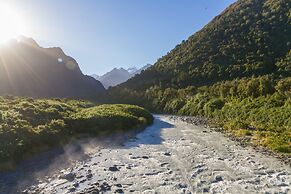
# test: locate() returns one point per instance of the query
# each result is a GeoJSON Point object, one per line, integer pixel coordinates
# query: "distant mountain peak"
{"type": "Point", "coordinates": [118, 75]}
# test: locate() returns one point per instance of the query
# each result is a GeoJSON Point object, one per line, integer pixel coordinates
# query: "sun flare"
{"type": "Point", "coordinates": [11, 24]}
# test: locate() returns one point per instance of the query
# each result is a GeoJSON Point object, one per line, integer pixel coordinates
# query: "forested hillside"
{"type": "Point", "coordinates": [236, 71]}
{"type": "Point", "coordinates": [251, 37]}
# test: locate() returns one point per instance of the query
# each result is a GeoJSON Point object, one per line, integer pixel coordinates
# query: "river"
{"type": "Point", "coordinates": [171, 156]}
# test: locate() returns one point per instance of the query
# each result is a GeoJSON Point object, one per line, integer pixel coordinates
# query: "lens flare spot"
{"type": "Point", "coordinates": [71, 65]}
{"type": "Point", "coordinates": [60, 60]}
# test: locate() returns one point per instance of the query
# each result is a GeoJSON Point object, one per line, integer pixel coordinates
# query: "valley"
{"type": "Point", "coordinates": [211, 115]}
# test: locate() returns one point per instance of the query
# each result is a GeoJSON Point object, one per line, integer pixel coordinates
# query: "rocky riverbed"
{"type": "Point", "coordinates": [171, 156]}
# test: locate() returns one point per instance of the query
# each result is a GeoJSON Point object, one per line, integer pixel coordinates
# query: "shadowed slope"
{"type": "Point", "coordinates": [26, 69]}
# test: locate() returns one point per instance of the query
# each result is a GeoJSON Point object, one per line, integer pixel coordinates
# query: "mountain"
{"type": "Point", "coordinates": [249, 38]}
{"type": "Point", "coordinates": [236, 72]}
{"type": "Point", "coordinates": [114, 77]}
{"type": "Point", "coordinates": [26, 69]}
{"type": "Point", "coordinates": [118, 76]}
{"type": "Point", "coordinates": [245, 52]}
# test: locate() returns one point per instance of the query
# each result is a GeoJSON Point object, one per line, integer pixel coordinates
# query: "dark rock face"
{"type": "Point", "coordinates": [26, 69]}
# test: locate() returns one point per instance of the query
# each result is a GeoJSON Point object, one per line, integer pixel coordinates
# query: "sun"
{"type": "Point", "coordinates": [11, 24]}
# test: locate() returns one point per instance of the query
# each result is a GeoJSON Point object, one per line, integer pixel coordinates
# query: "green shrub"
{"type": "Point", "coordinates": [174, 105]}
{"type": "Point", "coordinates": [109, 117]}
{"type": "Point", "coordinates": [213, 105]}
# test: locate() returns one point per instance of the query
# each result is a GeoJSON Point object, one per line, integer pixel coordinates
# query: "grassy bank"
{"type": "Point", "coordinates": [28, 126]}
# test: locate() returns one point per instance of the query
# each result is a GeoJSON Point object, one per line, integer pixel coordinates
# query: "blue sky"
{"type": "Point", "coordinates": [103, 34]}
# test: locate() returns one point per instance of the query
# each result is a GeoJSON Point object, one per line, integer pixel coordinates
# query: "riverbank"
{"type": "Point", "coordinates": [242, 140]}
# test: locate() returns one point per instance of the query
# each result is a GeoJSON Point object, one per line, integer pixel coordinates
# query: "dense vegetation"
{"type": "Point", "coordinates": [28, 125]}
{"type": "Point", "coordinates": [236, 71]}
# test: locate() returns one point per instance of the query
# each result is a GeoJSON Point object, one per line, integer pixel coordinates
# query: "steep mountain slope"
{"type": "Point", "coordinates": [26, 69]}
{"type": "Point", "coordinates": [251, 37]}
{"type": "Point", "coordinates": [118, 76]}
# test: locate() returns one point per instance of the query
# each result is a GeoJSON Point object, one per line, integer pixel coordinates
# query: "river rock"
{"type": "Point", "coordinates": [76, 184]}
{"type": "Point", "coordinates": [71, 189]}
{"type": "Point", "coordinates": [105, 187]}
{"type": "Point", "coordinates": [218, 178]}
{"type": "Point", "coordinates": [113, 169]}
{"type": "Point", "coordinates": [90, 175]}
{"type": "Point", "coordinates": [119, 191]}
{"type": "Point", "coordinates": [69, 176]}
